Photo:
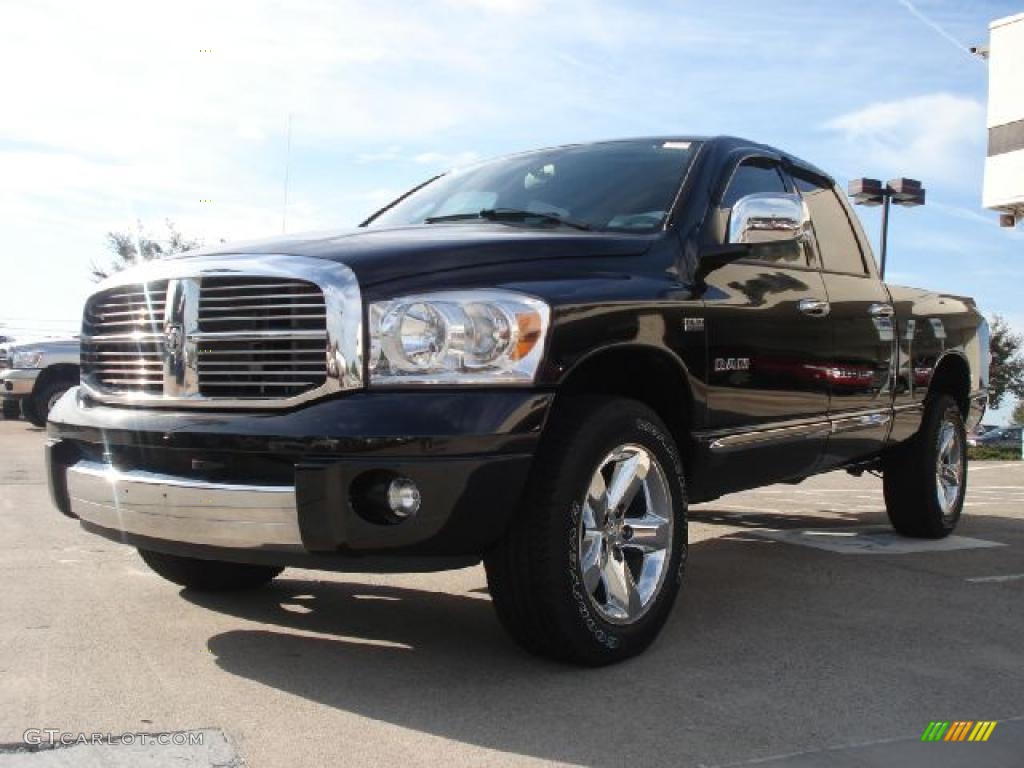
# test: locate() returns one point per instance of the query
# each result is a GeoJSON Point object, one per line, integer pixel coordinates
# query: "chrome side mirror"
{"type": "Point", "coordinates": [768, 217]}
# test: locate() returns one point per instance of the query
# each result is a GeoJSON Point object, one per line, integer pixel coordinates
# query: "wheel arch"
{"type": "Point", "coordinates": [952, 376]}
{"type": "Point", "coordinates": [652, 375]}
{"type": "Point", "coordinates": [53, 373]}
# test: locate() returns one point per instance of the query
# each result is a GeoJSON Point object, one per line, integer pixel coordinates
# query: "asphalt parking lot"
{"type": "Point", "coordinates": [807, 635]}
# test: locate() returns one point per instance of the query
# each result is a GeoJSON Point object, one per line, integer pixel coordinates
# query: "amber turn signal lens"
{"type": "Point", "coordinates": [529, 325]}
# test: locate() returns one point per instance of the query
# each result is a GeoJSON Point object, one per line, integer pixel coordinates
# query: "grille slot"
{"type": "Point", "coordinates": [122, 338]}
{"type": "Point", "coordinates": [281, 326]}
{"type": "Point", "coordinates": [254, 337]}
{"type": "Point", "coordinates": [279, 367]}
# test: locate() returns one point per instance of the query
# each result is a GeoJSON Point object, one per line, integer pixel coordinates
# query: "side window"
{"type": "Point", "coordinates": [753, 176]}
{"type": "Point", "coordinates": [837, 243]}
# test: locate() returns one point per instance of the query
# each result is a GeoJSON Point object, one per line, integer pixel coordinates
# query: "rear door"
{"type": "Point", "coordinates": [861, 369]}
{"type": "Point", "coordinates": [767, 393]}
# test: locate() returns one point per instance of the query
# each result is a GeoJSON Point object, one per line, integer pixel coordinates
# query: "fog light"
{"type": "Point", "coordinates": [403, 497]}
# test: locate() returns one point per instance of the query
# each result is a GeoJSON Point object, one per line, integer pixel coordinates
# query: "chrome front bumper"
{"type": "Point", "coordinates": [183, 510]}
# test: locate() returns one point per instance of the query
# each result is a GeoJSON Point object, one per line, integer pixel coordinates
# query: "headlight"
{"type": "Point", "coordinates": [30, 358]}
{"type": "Point", "coordinates": [457, 337]}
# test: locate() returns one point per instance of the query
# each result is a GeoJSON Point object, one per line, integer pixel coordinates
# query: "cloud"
{"type": "Point", "coordinates": [117, 111]}
{"type": "Point", "coordinates": [447, 159]}
{"type": "Point", "coordinates": [435, 158]}
{"type": "Point", "coordinates": [935, 137]}
{"type": "Point", "coordinates": [501, 6]}
{"type": "Point", "coordinates": [386, 155]}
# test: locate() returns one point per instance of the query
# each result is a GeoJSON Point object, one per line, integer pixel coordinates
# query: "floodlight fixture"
{"type": "Point", "coordinates": [906, 192]}
{"type": "Point", "coordinates": [902, 191]}
{"type": "Point", "coordinates": [867, 191]}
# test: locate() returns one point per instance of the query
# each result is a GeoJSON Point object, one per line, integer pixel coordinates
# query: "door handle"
{"type": "Point", "coordinates": [814, 307]}
{"type": "Point", "coordinates": [881, 310]}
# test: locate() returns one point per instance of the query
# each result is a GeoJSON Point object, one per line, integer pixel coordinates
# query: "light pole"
{"type": "Point", "coordinates": [905, 192]}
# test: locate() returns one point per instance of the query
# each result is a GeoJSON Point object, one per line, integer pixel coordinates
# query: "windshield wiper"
{"type": "Point", "coordinates": [451, 217]}
{"type": "Point", "coordinates": [512, 214]}
{"type": "Point", "coordinates": [496, 214]}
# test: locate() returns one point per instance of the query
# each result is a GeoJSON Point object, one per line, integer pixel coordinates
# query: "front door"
{"type": "Point", "coordinates": [768, 349]}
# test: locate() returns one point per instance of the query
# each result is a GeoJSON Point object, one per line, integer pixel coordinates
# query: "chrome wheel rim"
{"type": "Point", "coordinates": [949, 468]}
{"type": "Point", "coordinates": [625, 534]}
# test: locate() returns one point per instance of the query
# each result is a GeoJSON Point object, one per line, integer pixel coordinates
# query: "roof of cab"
{"type": "Point", "coordinates": [728, 144]}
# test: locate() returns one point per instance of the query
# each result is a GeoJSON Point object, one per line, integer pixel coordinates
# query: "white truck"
{"type": "Point", "coordinates": [34, 375]}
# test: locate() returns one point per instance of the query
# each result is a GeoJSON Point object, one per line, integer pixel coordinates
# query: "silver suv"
{"type": "Point", "coordinates": [34, 376]}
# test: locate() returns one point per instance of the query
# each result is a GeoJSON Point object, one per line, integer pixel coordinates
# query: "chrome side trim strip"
{"type": "Point", "coordinates": [845, 422]}
{"type": "Point", "coordinates": [908, 407]}
{"type": "Point", "coordinates": [851, 423]}
{"type": "Point", "coordinates": [758, 437]}
{"type": "Point", "coordinates": [342, 336]}
{"type": "Point", "coordinates": [181, 509]}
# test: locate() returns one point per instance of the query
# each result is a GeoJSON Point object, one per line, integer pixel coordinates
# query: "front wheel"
{"type": "Point", "coordinates": [592, 564]}
{"type": "Point", "coordinates": [38, 406]}
{"type": "Point", "coordinates": [208, 575]}
{"type": "Point", "coordinates": [925, 480]}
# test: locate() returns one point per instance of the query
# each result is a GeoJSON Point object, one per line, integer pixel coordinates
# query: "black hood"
{"type": "Point", "coordinates": [379, 255]}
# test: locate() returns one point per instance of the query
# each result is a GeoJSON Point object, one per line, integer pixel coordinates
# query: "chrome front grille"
{"type": "Point", "coordinates": [224, 332]}
{"type": "Point", "coordinates": [122, 338]}
{"type": "Point", "coordinates": [284, 359]}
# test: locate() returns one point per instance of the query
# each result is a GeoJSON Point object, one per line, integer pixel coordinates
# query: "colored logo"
{"type": "Point", "coordinates": [959, 730]}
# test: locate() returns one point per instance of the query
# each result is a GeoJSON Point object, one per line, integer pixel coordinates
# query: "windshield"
{"type": "Point", "coordinates": [623, 186]}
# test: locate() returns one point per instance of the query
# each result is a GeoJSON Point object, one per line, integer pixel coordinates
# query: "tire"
{"type": "Point", "coordinates": [542, 576]}
{"type": "Point", "coordinates": [208, 575]}
{"type": "Point", "coordinates": [28, 412]}
{"type": "Point", "coordinates": [925, 479]}
{"type": "Point", "coordinates": [37, 406]}
{"type": "Point", "coordinates": [12, 409]}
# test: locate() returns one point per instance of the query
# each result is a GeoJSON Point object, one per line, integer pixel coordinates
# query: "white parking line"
{"type": "Point", "coordinates": [870, 540]}
{"type": "Point", "coordinates": [996, 579]}
{"type": "Point", "coordinates": [844, 491]}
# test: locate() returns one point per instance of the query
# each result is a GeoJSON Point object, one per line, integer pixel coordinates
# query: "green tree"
{"type": "Point", "coordinates": [1018, 413]}
{"type": "Point", "coordinates": [1006, 375]}
{"type": "Point", "coordinates": [129, 249]}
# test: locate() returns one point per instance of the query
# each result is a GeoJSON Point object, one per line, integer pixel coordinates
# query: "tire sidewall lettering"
{"type": "Point", "coordinates": [677, 464]}
{"type": "Point", "coordinates": [579, 596]}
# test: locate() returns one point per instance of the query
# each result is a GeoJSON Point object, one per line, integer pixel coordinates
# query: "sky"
{"type": "Point", "coordinates": [119, 112]}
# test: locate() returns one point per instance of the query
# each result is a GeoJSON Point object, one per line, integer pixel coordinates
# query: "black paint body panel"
{"type": "Point", "coordinates": [790, 377]}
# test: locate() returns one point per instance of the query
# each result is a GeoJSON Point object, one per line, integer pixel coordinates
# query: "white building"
{"type": "Point", "coordinates": [1004, 166]}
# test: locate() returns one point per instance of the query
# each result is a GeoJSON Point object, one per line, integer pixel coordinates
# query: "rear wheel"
{"type": "Point", "coordinates": [591, 565]}
{"type": "Point", "coordinates": [925, 480]}
{"type": "Point", "coordinates": [208, 575]}
{"type": "Point", "coordinates": [12, 409]}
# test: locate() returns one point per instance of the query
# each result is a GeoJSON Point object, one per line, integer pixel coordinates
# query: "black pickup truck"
{"type": "Point", "coordinates": [537, 362]}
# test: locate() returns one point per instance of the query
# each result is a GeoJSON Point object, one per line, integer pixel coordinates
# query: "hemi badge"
{"type": "Point", "coordinates": [693, 323]}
